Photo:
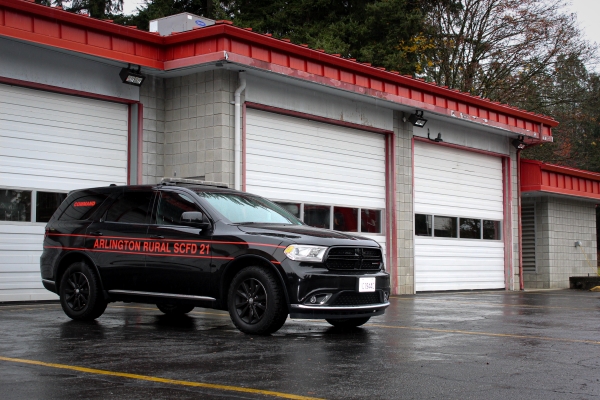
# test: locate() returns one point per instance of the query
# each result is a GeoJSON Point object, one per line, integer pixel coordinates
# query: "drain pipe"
{"type": "Point", "coordinates": [237, 163]}
{"type": "Point", "coordinates": [521, 275]}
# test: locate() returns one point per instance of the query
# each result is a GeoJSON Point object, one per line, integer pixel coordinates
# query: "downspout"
{"type": "Point", "coordinates": [238, 132]}
{"type": "Point", "coordinates": [521, 283]}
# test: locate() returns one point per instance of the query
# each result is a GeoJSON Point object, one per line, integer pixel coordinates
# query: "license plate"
{"type": "Point", "coordinates": [366, 284]}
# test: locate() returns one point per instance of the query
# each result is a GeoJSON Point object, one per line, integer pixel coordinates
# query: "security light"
{"type": "Point", "coordinates": [417, 119]}
{"type": "Point", "coordinates": [131, 77]}
{"type": "Point", "coordinates": [519, 143]}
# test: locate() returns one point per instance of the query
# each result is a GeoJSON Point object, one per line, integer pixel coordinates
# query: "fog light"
{"type": "Point", "coordinates": [319, 298]}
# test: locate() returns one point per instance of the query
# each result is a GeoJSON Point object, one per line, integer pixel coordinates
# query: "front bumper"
{"type": "Point", "coordinates": [334, 312]}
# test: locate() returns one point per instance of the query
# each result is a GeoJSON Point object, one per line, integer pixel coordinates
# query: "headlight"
{"type": "Point", "coordinates": [305, 253]}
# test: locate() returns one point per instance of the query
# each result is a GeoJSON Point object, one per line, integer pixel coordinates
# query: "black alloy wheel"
{"type": "Point", "coordinates": [251, 301]}
{"type": "Point", "coordinates": [256, 301]}
{"type": "Point", "coordinates": [77, 291]}
{"type": "Point", "coordinates": [80, 293]}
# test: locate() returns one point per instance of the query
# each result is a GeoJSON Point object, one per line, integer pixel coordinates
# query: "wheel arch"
{"type": "Point", "coordinates": [70, 258]}
{"type": "Point", "coordinates": [246, 261]}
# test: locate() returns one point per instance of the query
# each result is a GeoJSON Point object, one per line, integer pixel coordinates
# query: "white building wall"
{"type": "Point", "coordinates": [55, 68]}
{"type": "Point", "coordinates": [464, 136]}
{"type": "Point", "coordinates": [298, 98]}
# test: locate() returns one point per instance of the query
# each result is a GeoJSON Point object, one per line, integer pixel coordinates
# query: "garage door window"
{"type": "Point", "coordinates": [370, 221]}
{"type": "Point", "coordinates": [445, 227]}
{"type": "Point", "coordinates": [338, 218]}
{"type": "Point", "coordinates": [345, 219]}
{"type": "Point", "coordinates": [15, 205]}
{"type": "Point", "coordinates": [455, 227]}
{"type": "Point", "coordinates": [46, 203]}
{"type": "Point", "coordinates": [470, 228]}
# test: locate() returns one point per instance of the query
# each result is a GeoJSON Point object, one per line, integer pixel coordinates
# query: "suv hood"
{"type": "Point", "coordinates": [302, 234]}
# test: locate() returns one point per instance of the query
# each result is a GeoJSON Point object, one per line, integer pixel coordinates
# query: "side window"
{"type": "Point", "coordinates": [130, 207]}
{"type": "Point", "coordinates": [170, 207]}
{"type": "Point", "coordinates": [82, 206]}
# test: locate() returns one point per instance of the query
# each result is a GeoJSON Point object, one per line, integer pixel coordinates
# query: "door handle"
{"type": "Point", "coordinates": [157, 237]}
{"type": "Point", "coordinates": [97, 233]}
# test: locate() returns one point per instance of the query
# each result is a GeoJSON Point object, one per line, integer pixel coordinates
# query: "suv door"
{"type": "Point", "coordinates": [184, 268]}
{"type": "Point", "coordinates": [116, 240]}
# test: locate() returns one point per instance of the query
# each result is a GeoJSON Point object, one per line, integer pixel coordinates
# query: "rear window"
{"type": "Point", "coordinates": [82, 207]}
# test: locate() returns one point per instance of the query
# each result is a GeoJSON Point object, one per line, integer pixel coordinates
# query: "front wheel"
{"type": "Point", "coordinates": [174, 309]}
{"type": "Point", "coordinates": [80, 293]}
{"type": "Point", "coordinates": [348, 322]}
{"type": "Point", "coordinates": [256, 302]}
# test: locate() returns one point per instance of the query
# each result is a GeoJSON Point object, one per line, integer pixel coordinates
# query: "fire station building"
{"type": "Point", "coordinates": [430, 173]}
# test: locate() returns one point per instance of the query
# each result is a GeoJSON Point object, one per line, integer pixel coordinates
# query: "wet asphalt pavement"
{"type": "Point", "coordinates": [482, 345]}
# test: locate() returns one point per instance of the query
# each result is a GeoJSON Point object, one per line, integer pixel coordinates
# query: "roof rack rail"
{"type": "Point", "coordinates": [183, 181]}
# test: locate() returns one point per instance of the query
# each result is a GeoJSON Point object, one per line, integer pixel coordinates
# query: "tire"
{"type": "Point", "coordinates": [174, 309]}
{"type": "Point", "coordinates": [80, 293]}
{"type": "Point", "coordinates": [256, 302]}
{"type": "Point", "coordinates": [348, 322]}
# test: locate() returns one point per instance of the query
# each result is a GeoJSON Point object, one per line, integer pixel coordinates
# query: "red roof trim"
{"type": "Point", "coordinates": [56, 28]}
{"type": "Point", "coordinates": [540, 177]}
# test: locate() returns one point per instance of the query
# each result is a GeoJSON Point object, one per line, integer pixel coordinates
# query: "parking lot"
{"type": "Point", "coordinates": [480, 345]}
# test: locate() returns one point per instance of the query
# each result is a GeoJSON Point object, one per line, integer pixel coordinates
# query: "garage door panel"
{"type": "Point", "coordinates": [56, 142]}
{"type": "Point", "coordinates": [268, 151]}
{"type": "Point", "coordinates": [310, 130]}
{"type": "Point", "coordinates": [75, 154]}
{"type": "Point", "coordinates": [273, 136]}
{"type": "Point", "coordinates": [445, 176]}
{"type": "Point", "coordinates": [334, 172]}
{"type": "Point", "coordinates": [61, 120]}
{"type": "Point", "coordinates": [63, 144]}
{"type": "Point", "coordinates": [62, 134]}
{"type": "Point", "coordinates": [457, 183]}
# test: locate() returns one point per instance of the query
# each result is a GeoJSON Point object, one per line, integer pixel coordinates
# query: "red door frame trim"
{"type": "Point", "coordinates": [506, 199]}
{"type": "Point", "coordinates": [95, 96]}
{"type": "Point", "coordinates": [390, 168]}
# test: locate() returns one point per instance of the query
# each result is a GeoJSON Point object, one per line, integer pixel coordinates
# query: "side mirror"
{"type": "Point", "coordinates": [195, 219]}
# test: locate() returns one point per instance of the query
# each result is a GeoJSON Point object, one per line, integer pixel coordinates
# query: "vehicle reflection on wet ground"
{"type": "Point", "coordinates": [480, 345]}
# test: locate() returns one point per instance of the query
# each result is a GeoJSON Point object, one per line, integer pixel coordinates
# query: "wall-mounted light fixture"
{"type": "Point", "coordinates": [131, 77]}
{"type": "Point", "coordinates": [437, 139]}
{"type": "Point", "coordinates": [417, 119]}
{"type": "Point", "coordinates": [519, 143]}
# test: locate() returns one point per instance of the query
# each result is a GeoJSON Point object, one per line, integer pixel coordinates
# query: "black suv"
{"type": "Point", "coordinates": [182, 244]}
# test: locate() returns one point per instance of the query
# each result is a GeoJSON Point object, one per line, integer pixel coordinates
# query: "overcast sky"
{"type": "Point", "coordinates": [587, 15]}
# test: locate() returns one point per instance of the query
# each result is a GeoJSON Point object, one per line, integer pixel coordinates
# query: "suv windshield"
{"type": "Point", "coordinates": [241, 209]}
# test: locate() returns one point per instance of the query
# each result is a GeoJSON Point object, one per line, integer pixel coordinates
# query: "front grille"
{"type": "Point", "coordinates": [354, 258]}
{"type": "Point", "coordinates": [356, 299]}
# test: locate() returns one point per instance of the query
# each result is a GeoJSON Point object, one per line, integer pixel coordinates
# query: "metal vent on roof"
{"type": "Point", "coordinates": [528, 236]}
{"type": "Point", "coordinates": [179, 23]}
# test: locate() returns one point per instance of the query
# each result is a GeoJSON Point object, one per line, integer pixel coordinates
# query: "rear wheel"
{"type": "Point", "coordinates": [174, 309]}
{"type": "Point", "coordinates": [80, 293]}
{"type": "Point", "coordinates": [256, 302]}
{"type": "Point", "coordinates": [348, 322]}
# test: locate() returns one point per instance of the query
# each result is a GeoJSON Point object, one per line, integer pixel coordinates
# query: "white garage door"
{"type": "Point", "coordinates": [49, 143]}
{"type": "Point", "coordinates": [335, 175]}
{"type": "Point", "coordinates": [458, 219]}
